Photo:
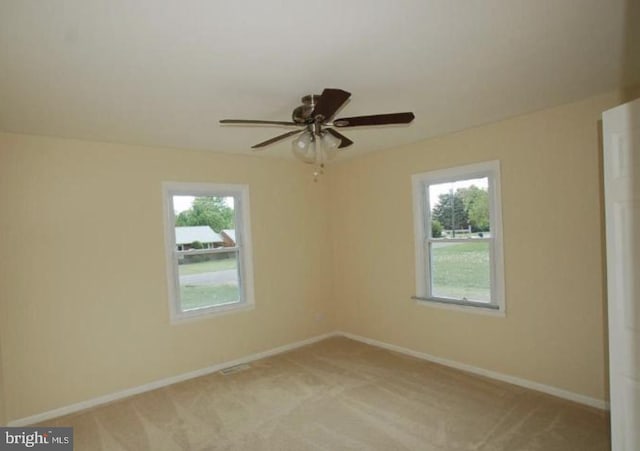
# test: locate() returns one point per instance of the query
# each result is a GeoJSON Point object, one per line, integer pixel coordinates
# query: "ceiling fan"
{"type": "Point", "coordinates": [313, 117]}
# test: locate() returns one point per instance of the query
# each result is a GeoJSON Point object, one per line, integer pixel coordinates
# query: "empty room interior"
{"type": "Point", "coordinates": [310, 225]}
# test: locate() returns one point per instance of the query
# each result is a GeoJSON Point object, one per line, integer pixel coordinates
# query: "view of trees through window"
{"type": "Point", "coordinates": [211, 211]}
{"type": "Point", "coordinates": [460, 208]}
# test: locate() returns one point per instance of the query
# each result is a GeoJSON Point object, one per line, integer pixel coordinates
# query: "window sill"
{"type": "Point", "coordinates": [465, 306]}
{"type": "Point", "coordinates": [195, 315]}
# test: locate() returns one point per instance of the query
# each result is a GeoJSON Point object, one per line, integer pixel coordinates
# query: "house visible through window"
{"type": "Point", "coordinates": [459, 237]}
{"type": "Point", "coordinates": [208, 248]}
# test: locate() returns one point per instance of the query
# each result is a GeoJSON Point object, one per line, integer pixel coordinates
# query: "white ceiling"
{"type": "Point", "coordinates": [163, 72]}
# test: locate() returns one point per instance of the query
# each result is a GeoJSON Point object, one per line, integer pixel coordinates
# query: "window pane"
{"type": "Point", "coordinates": [206, 222]}
{"type": "Point", "coordinates": [460, 209]}
{"type": "Point", "coordinates": [208, 280]}
{"type": "Point", "coordinates": [461, 270]}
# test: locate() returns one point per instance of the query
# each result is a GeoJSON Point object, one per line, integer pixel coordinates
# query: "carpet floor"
{"type": "Point", "coordinates": [339, 394]}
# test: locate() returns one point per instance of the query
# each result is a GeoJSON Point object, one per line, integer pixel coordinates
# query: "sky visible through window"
{"type": "Point", "coordinates": [183, 203]}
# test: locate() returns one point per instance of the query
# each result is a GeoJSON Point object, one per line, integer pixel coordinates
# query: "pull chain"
{"type": "Point", "coordinates": [318, 171]}
{"type": "Point", "coordinates": [320, 158]}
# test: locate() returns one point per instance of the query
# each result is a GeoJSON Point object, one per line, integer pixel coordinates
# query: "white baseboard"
{"type": "Point", "coordinates": [83, 405]}
{"type": "Point", "coordinates": [548, 389]}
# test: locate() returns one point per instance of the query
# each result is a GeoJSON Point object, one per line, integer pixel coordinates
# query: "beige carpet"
{"type": "Point", "coordinates": [341, 395]}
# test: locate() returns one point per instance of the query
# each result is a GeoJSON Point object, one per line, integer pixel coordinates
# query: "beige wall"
{"type": "Point", "coordinates": [631, 93]}
{"type": "Point", "coordinates": [553, 331]}
{"type": "Point", "coordinates": [3, 418]}
{"type": "Point", "coordinates": [82, 273]}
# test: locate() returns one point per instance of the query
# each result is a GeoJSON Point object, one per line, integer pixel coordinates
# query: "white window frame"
{"type": "Point", "coordinates": [240, 193]}
{"type": "Point", "coordinates": [422, 230]}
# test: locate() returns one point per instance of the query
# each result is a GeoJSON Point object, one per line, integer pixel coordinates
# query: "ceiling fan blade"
{"type": "Point", "coordinates": [376, 119]}
{"type": "Point", "coordinates": [330, 101]}
{"type": "Point", "coordinates": [277, 138]}
{"type": "Point", "coordinates": [346, 142]}
{"type": "Point", "coordinates": [250, 121]}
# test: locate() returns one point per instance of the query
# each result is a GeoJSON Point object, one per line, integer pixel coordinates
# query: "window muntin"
{"type": "Point", "coordinates": [458, 236]}
{"type": "Point", "coordinates": [208, 248]}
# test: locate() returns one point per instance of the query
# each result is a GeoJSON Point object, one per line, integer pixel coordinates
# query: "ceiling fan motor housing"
{"type": "Point", "coordinates": [302, 114]}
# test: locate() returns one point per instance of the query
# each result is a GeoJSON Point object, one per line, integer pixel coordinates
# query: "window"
{"type": "Point", "coordinates": [208, 245]}
{"type": "Point", "coordinates": [458, 231]}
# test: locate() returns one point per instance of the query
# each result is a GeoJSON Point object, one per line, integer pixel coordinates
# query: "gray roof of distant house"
{"type": "Point", "coordinates": [204, 234]}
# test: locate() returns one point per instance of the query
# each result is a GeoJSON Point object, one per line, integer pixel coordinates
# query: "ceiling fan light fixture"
{"type": "Point", "coordinates": [315, 149]}
{"type": "Point", "coordinates": [304, 147]}
{"type": "Point", "coordinates": [329, 145]}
